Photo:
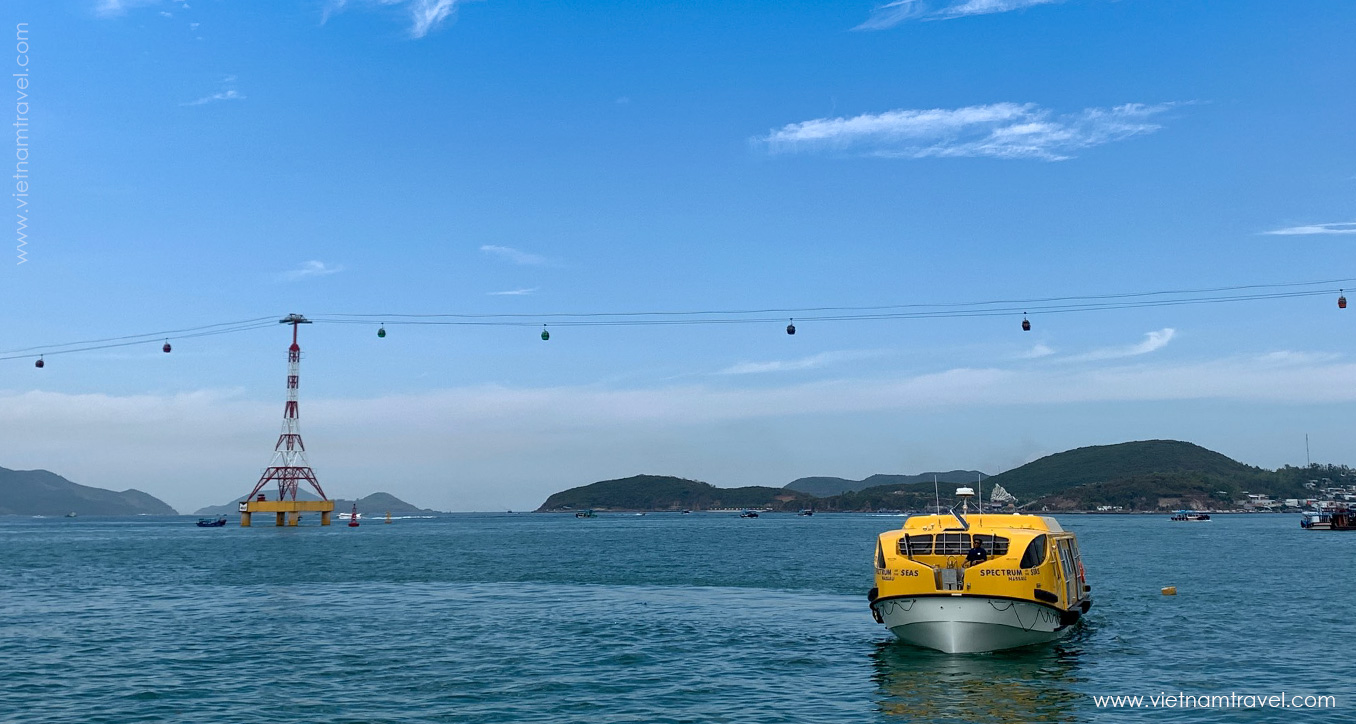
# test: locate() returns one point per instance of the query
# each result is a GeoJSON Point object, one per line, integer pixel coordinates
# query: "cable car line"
{"type": "Point", "coordinates": [935, 310]}
{"type": "Point", "coordinates": [174, 333]}
{"type": "Point", "coordinates": [799, 311]}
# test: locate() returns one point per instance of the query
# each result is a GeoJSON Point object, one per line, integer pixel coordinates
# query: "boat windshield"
{"type": "Point", "coordinates": [951, 544]}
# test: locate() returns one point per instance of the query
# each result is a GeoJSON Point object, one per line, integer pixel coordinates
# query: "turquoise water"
{"type": "Point", "coordinates": [657, 618]}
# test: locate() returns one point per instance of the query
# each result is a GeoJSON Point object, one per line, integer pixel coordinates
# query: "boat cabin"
{"type": "Point", "coordinates": [1024, 556]}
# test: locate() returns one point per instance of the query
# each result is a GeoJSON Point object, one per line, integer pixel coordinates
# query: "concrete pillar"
{"type": "Point", "coordinates": [324, 517]}
{"type": "Point", "coordinates": [280, 522]}
{"type": "Point", "coordinates": [244, 520]}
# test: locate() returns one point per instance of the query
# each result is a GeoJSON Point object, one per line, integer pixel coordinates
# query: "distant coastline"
{"type": "Point", "coordinates": [1140, 477]}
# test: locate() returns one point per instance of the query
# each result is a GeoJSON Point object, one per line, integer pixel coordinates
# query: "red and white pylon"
{"type": "Point", "coordinates": [289, 465]}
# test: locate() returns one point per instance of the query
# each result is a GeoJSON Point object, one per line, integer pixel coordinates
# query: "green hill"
{"type": "Point", "coordinates": [824, 487]}
{"type": "Point", "coordinates": [908, 496]}
{"type": "Point", "coordinates": [40, 492]}
{"type": "Point", "coordinates": [1142, 475]}
{"type": "Point", "coordinates": [1149, 475]}
{"type": "Point", "coordinates": [374, 504]}
{"type": "Point", "coordinates": [1110, 463]}
{"type": "Point", "coordinates": [663, 492]}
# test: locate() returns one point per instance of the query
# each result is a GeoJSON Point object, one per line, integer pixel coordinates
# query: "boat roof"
{"type": "Point", "coordinates": [983, 522]}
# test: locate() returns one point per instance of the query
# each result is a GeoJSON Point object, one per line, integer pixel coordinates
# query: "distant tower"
{"type": "Point", "coordinates": [289, 465]}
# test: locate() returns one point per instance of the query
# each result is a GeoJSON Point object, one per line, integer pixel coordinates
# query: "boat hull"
{"type": "Point", "coordinates": [970, 624]}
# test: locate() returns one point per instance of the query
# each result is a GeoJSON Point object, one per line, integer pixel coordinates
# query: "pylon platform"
{"type": "Point", "coordinates": [288, 512]}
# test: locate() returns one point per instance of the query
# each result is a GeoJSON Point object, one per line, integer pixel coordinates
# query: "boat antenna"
{"type": "Point", "coordinates": [964, 494]}
{"type": "Point", "coordinates": [938, 492]}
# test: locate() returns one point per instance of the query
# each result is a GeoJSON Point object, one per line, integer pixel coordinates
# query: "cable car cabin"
{"type": "Point", "coordinates": [166, 349]}
{"type": "Point", "coordinates": [1026, 324]}
{"type": "Point", "coordinates": [790, 329]}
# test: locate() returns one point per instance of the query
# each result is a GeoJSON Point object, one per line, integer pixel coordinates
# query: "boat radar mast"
{"type": "Point", "coordinates": [965, 494]}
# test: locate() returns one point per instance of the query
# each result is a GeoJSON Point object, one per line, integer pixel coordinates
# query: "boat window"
{"type": "Point", "coordinates": [996, 545]}
{"type": "Point", "coordinates": [1035, 553]}
{"type": "Point", "coordinates": [952, 544]}
{"type": "Point", "coordinates": [880, 555]}
{"type": "Point", "coordinates": [916, 545]}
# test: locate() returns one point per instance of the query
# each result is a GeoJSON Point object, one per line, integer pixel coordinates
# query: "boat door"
{"type": "Point", "coordinates": [1067, 567]}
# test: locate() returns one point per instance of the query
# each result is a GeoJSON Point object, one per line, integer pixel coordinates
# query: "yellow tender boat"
{"type": "Point", "coordinates": [1031, 588]}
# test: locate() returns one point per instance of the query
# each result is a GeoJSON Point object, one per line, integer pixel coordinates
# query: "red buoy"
{"type": "Point", "coordinates": [353, 517]}
{"type": "Point", "coordinates": [39, 364]}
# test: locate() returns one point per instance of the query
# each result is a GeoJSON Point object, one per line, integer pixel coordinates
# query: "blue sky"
{"type": "Point", "coordinates": [210, 161]}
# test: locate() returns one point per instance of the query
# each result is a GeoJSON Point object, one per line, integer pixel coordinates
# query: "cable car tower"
{"type": "Point", "coordinates": [289, 465]}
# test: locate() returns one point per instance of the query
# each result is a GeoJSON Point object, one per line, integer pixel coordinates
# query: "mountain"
{"type": "Point", "coordinates": [663, 492]}
{"type": "Point", "coordinates": [1107, 463]}
{"type": "Point", "coordinates": [1151, 475]}
{"type": "Point", "coordinates": [1143, 475]}
{"type": "Point", "coordinates": [823, 487]}
{"type": "Point", "coordinates": [374, 504]}
{"type": "Point", "coordinates": [40, 492]}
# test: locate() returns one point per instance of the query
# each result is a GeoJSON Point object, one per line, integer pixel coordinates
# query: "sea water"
{"type": "Point", "coordinates": [621, 618]}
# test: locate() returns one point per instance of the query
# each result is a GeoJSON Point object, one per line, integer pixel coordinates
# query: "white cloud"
{"type": "Point", "coordinates": [111, 8]}
{"type": "Point", "coordinates": [425, 15]}
{"type": "Point", "coordinates": [428, 14]}
{"type": "Point", "coordinates": [114, 8]}
{"type": "Point", "coordinates": [514, 292]}
{"type": "Point", "coordinates": [999, 130]}
{"type": "Point", "coordinates": [226, 95]}
{"type": "Point", "coordinates": [1153, 341]}
{"type": "Point", "coordinates": [900, 11]}
{"type": "Point", "coordinates": [1340, 227]}
{"type": "Point", "coordinates": [311, 269]}
{"type": "Point", "coordinates": [804, 363]}
{"type": "Point", "coordinates": [1036, 352]}
{"type": "Point", "coordinates": [513, 255]}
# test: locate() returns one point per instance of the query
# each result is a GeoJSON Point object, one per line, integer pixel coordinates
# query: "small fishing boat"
{"type": "Point", "coordinates": [1190, 516]}
{"type": "Point", "coordinates": [70, 514]}
{"type": "Point", "coordinates": [748, 514]}
{"type": "Point", "coordinates": [218, 522]}
{"type": "Point", "coordinates": [962, 583]}
{"type": "Point", "coordinates": [806, 512]}
{"type": "Point", "coordinates": [585, 514]}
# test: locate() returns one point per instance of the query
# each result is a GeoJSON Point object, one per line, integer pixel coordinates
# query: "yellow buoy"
{"type": "Point", "coordinates": [1170, 591]}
